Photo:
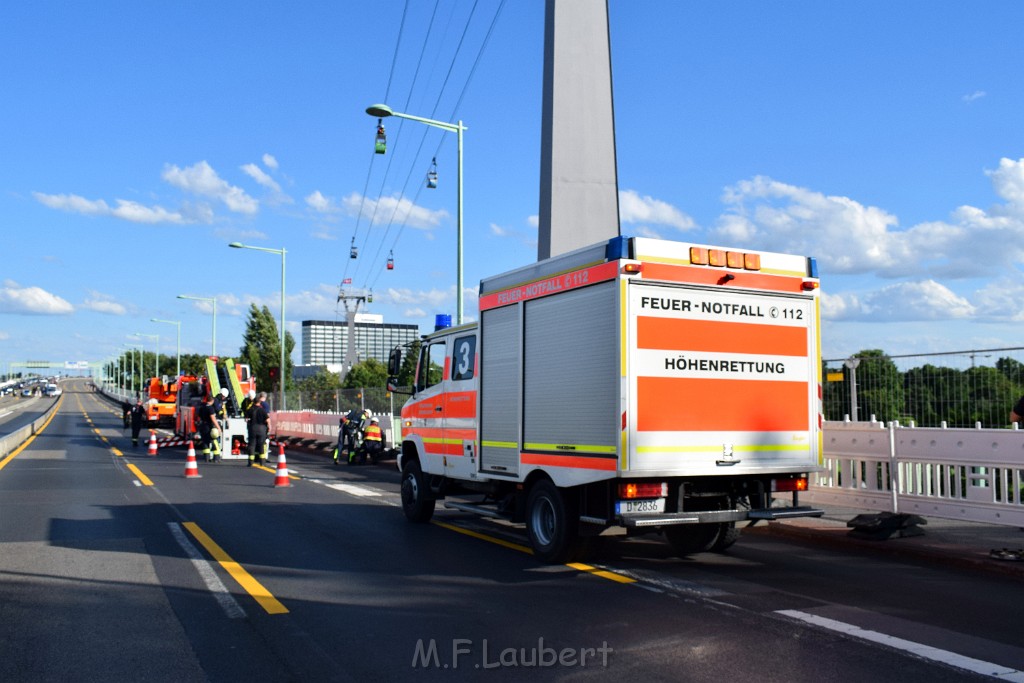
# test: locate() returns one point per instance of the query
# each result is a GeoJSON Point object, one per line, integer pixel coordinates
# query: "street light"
{"type": "Point", "coordinates": [282, 252]}
{"type": "Point", "coordinates": [132, 348]}
{"type": "Point", "coordinates": [214, 301]}
{"type": "Point", "coordinates": [382, 111]}
{"type": "Point", "coordinates": [178, 323]}
{"type": "Point", "coordinates": [156, 365]}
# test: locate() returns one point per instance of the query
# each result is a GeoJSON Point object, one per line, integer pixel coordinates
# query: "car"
{"type": "Point", "coordinates": [26, 392]}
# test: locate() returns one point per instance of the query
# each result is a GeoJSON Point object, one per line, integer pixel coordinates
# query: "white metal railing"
{"type": "Point", "coordinates": [968, 474]}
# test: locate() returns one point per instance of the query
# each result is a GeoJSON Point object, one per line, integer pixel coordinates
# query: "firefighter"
{"type": "Point", "coordinates": [373, 441]}
{"type": "Point", "coordinates": [349, 434]}
{"type": "Point", "coordinates": [126, 413]}
{"type": "Point", "coordinates": [246, 408]}
{"type": "Point", "coordinates": [138, 418]}
{"type": "Point", "coordinates": [260, 422]}
{"type": "Point", "coordinates": [209, 430]}
{"type": "Point", "coordinates": [220, 404]}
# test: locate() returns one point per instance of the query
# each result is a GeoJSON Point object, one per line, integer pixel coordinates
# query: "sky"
{"type": "Point", "coordinates": [137, 140]}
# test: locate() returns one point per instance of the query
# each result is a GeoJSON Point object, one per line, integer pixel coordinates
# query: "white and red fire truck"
{"type": "Point", "coordinates": [639, 383]}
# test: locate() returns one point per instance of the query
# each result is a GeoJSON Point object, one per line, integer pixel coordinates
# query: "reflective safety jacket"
{"type": "Point", "coordinates": [373, 433]}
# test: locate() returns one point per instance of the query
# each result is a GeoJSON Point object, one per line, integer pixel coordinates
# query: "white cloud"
{"type": "Point", "coordinates": [924, 300]}
{"type": "Point", "coordinates": [202, 180]}
{"type": "Point", "coordinates": [533, 221]}
{"type": "Point", "coordinates": [31, 301]}
{"type": "Point", "coordinates": [125, 209]}
{"type": "Point", "coordinates": [269, 161]}
{"type": "Point", "coordinates": [414, 313]}
{"type": "Point", "coordinates": [634, 208]}
{"type": "Point", "coordinates": [976, 95]}
{"type": "Point", "coordinates": [103, 303]}
{"type": "Point", "coordinates": [394, 210]}
{"type": "Point", "coordinates": [498, 231]}
{"type": "Point", "coordinates": [321, 204]}
{"type": "Point", "coordinates": [261, 177]}
{"type": "Point", "coordinates": [432, 298]}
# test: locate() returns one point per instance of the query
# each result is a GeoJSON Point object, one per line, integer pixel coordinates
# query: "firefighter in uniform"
{"type": "Point", "coordinates": [246, 408]}
{"type": "Point", "coordinates": [209, 430]}
{"type": "Point", "coordinates": [373, 441]}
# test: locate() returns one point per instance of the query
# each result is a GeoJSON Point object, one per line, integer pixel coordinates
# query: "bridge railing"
{"type": "Point", "coordinates": [967, 474]}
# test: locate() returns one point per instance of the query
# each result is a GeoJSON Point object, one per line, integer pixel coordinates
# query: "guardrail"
{"type": "Point", "coordinates": [19, 436]}
{"type": "Point", "coordinates": [966, 474]}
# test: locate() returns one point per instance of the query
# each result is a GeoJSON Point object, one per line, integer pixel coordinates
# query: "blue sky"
{"type": "Point", "coordinates": [138, 139]}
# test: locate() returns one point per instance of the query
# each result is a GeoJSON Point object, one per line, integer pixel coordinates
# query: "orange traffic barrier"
{"type": "Point", "coordinates": [282, 469]}
{"type": "Point", "coordinates": [191, 468]}
{"type": "Point", "coordinates": [152, 443]}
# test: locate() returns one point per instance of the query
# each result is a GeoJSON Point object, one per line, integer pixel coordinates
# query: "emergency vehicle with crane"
{"type": "Point", "coordinates": [237, 379]}
{"type": "Point", "coordinates": [636, 384]}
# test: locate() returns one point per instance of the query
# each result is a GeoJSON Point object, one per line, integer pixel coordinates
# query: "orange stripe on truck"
{"type": "Point", "coordinates": [680, 404]}
{"type": "Point", "coordinates": [571, 461]}
{"type": "Point", "coordinates": [720, 337]}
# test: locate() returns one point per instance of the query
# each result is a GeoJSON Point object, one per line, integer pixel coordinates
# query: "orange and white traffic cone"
{"type": "Point", "coordinates": [152, 443]}
{"type": "Point", "coordinates": [282, 470]}
{"type": "Point", "coordinates": [191, 468]}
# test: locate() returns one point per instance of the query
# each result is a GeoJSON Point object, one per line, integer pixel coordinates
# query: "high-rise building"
{"type": "Point", "coordinates": [324, 342]}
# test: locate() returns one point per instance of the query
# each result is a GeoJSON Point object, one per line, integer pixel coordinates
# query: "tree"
{"type": "Point", "coordinates": [407, 373]}
{"type": "Point", "coordinates": [368, 373]}
{"type": "Point", "coordinates": [320, 390]}
{"type": "Point", "coordinates": [879, 387]}
{"type": "Point", "coordinates": [261, 347]}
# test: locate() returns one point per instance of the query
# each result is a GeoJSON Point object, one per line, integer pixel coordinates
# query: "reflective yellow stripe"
{"type": "Point", "coordinates": [765, 448]}
{"type": "Point", "coordinates": [499, 444]}
{"type": "Point", "coordinates": [568, 448]}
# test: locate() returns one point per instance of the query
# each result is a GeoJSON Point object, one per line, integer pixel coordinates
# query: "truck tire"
{"type": "Point", "coordinates": [552, 524]}
{"type": "Point", "coordinates": [727, 535]}
{"type": "Point", "coordinates": [689, 539]}
{"type": "Point", "coordinates": [417, 504]}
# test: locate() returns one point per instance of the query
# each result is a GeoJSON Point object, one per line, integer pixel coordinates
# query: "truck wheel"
{"type": "Point", "coordinates": [552, 524]}
{"type": "Point", "coordinates": [417, 504]}
{"type": "Point", "coordinates": [689, 539]}
{"type": "Point", "coordinates": [727, 535]}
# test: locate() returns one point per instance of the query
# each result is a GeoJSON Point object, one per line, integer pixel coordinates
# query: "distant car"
{"type": "Point", "coordinates": [52, 391]}
{"type": "Point", "coordinates": [26, 392]}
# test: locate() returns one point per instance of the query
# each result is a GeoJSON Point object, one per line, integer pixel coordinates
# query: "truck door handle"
{"type": "Point", "coordinates": [438, 408]}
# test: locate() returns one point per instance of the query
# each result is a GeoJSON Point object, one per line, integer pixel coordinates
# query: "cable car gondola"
{"type": "Point", "coordinates": [353, 251]}
{"type": "Point", "coordinates": [432, 174]}
{"type": "Point", "coordinates": [391, 260]}
{"type": "Point", "coordinates": [381, 143]}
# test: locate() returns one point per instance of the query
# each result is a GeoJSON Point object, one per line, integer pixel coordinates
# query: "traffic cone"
{"type": "Point", "coordinates": [191, 468]}
{"type": "Point", "coordinates": [152, 443]}
{"type": "Point", "coordinates": [282, 469]}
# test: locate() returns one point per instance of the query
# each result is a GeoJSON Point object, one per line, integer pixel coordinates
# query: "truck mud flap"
{"type": "Point", "coordinates": [717, 516]}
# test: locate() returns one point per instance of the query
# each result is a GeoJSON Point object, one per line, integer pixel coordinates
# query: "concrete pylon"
{"type": "Point", "coordinates": [579, 188]}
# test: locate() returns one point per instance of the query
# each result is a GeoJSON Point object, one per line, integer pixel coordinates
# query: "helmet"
{"type": "Point", "coordinates": [215, 433]}
{"type": "Point", "coordinates": [252, 393]}
{"type": "Point", "coordinates": [374, 419]}
{"type": "Point", "coordinates": [224, 391]}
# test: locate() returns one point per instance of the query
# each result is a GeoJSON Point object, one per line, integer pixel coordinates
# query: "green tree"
{"type": "Point", "coordinates": [407, 373]}
{"type": "Point", "coordinates": [879, 387]}
{"type": "Point", "coordinates": [368, 373]}
{"type": "Point", "coordinates": [261, 348]}
{"type": "Point", "coordinates": [320, 390]}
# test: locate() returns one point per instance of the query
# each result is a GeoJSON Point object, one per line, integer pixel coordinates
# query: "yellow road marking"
{"type": "Point", "coordinates": [24, 445]}
{"type": "Point", "coordinates": [484, 537]}
{"type": "Point", "coordinates": [116, 452]}
{"type": "Point", "coordinates": [251, 586]}
{"type": "Point", "coordinates": [138, 473]}
{"type": "Point", "coordinates": [611, 576]}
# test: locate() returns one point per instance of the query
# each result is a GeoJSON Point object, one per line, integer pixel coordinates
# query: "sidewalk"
{"type": "Point", "coordinates": [967, 545]}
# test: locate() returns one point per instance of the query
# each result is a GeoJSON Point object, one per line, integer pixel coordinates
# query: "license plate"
{"type": "Point", "coordinates": [625, 507]}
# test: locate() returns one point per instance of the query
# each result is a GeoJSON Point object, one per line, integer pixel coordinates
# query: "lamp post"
{"type": "Point", "coordinates": [178, 323]}
{"type": "Point", "coordinates": [132, 348]}
{"type": "Point", "coordinates": [156, 364]}
{"type": "Point", "coordinates": [282, 251]}
{"type": "Point", "coordinates": [213, 300]}
{"type": "Point", "coordinates": [382, 111]}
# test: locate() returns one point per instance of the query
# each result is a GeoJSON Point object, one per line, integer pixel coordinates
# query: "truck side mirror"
{"type": "Point", "coordinates": [395, 362]}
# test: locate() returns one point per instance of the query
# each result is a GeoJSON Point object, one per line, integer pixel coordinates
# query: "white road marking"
{"type": "Point", "coordinates": [978, 666]}
{"type": "Point", "coordinates": [227, 602]}
{"type": "Point", "coordinates": [353, 490]}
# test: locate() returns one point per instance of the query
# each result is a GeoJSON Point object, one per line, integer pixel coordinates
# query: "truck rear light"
{"type": "Point", "coordinates": [698, 256]}
{"type": "Point", "coordinates": [809, 285]}
{"type": "Point", "coordinates": [734, 259]}
{"type": "Point", "coordinates": [716, 257]}
{"type": "Point", "coordinates": [752, 261]}
{"type": "Point", "coordinates": [643, 490]}
{"type": "Point", "coordinates": [632, 268]}
{"type": "Point", "coordinates": [783, 485]}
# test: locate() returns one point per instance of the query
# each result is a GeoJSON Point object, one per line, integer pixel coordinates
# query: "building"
{"type": "Point", "coordinates": [324, 342]}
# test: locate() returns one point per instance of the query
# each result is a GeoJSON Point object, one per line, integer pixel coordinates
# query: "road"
{"type": "Point", "coordinates": [114, 566]}
{"type": "Point", "coordinates": [17, 411]}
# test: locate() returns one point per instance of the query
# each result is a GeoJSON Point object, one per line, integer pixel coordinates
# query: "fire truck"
{"type": "Point", "coordinates": [161, 406]}
{"type": "Point", "coordinates": [636, 384]}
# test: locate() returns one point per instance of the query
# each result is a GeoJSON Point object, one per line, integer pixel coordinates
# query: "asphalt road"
{"type": "Point", "coordinates": [16, 411]}
{"type": "Point", "coordinates": [114, 566]}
